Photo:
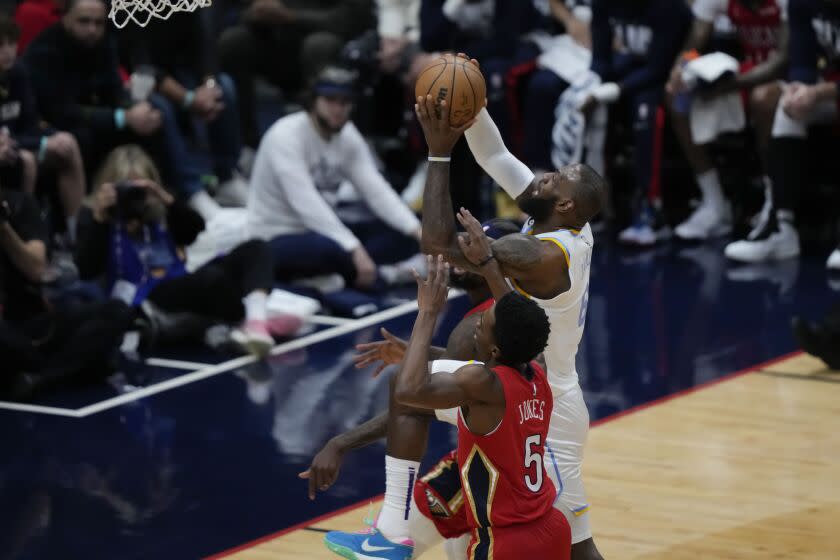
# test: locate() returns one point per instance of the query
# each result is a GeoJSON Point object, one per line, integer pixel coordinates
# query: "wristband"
{"type": "Point", "coordinates": [487, 260]}
{"type": "Point", "coordinates": [119, 119]}
{"type": "Point", "coordinates": [42, 149]}
{"type": "Point", "coordinates": [442, 159]}
{"type": "Point", "coordinates": [189, 97]}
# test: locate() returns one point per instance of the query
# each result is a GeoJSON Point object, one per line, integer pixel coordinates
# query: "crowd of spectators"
{"type": "Point", "coordinates": [165, 179]}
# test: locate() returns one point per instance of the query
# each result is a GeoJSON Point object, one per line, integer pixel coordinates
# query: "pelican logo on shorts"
{"type": "Point", "coordinates": [436, 506]}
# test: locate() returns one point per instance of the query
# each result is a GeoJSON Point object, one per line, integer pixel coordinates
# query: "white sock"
{"type": "Point", "coordinates": [255, 306]}
{"type": "Point", "coordinates": [709, 183]}
{"type": "Point", "coordinates": [204, 204]}
{"type": "Point", "coordinates": [71, 228]}
{"type": "Point", "coordinates": [400, 476]}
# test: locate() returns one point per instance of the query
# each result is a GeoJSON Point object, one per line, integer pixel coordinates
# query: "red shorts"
{"type": "Point", "coordinates": [549, 538]}
{"type": "Point", "coordinates": [439, 497]}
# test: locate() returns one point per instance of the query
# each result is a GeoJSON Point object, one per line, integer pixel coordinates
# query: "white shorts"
{"type": "Point", "coordinates": [563, 458]}
{"type": "Point", "coordinates": [449, 415]}
{"type": "Point", "coordinates": [567, 434]}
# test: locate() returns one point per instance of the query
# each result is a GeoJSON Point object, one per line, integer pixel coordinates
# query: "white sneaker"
{"type": "Point", "coordinates": [833, 262]}
{"type": "Point", "coordinates": [254, 338]}
{"type": "Point", "coordinates": [647, 229]}
{"type": "Point", "coordinates": [233, 192]}
{"type": "Point", "coordinates": [643, 235]}
{"type": "Point", "coordinates": [401, 272]}
{"type": "Point", "coordinates": [705, 223]}
{"type": "Point", "coordinates": [774, 244]}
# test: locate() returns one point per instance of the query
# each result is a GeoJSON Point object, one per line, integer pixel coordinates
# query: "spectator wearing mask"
{"type": "Point", "coordinates": [75, 75]}
{"type": "Point", "coordinates": [24, 146]}
{"type": "Point", "coordinates": [299, 166]}
{"type": "Point", "coordinates": [809, 97]}
{"type": "Point", "coordinates": [134, 237]}
{"type": "Point", "coordinates": [308, 33]}
{"type": "Point", "coordinates": [180, 52]}
{"type": "Point", "coordinates": [761, 28]}
{"type": "Point", "coordinates": [45, 349]}
{"type": "Point", "coordinates": [634, 45]}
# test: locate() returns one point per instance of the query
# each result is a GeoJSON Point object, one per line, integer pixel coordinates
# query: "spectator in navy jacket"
{"type": "Point", "coordinates": [25, 144]}
{"type": "Point", "coordinates": [810, 97]}
{"type": "Point", "coordinates": [634, 45]}
{"type": "Point", "coordinates": [75, 76]}
{"type": "Point", "coordinates": [180, 53]}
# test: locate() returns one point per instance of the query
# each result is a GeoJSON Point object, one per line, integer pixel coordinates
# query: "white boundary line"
{"type": "Point", "coordinates": [206, 370]}
{"type": "Point", "coordinates": [176, 364]}
{"type": "Point", "coordinates": [211, 371]}
{"type": "Point", "coordinates": [38, 409]}
{"type": "Point", "coordinates": [327, 320]}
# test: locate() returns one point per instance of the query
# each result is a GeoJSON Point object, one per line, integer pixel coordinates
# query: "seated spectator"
{"type": "Point", "coordinates": [488, 30]}
{"type": "Point", "coordinates": [634, 45]}
{"type": "Point", "coordinates": [299, 166]}
{"type": "Point", "coordinates": [545, 86]}
{"type": "Point", "coordinates": [33, 16]}
{"type": "Point", "coordinates": [181, 54]}
{"type": "Point", "coordinates": [762, 32]}
{"type": "Point", "coordinates": [133, 238]}
{"type": "Point", "coordinates": [45, 349]}
{"type": "Point", "coordinates": [22, 138]}
{"type": "Point", "coordinates": [286, 42]}
{"type": "Point", "coordinates": [809, 98]}
{"type": "Point", "coordinates": [75, 75]}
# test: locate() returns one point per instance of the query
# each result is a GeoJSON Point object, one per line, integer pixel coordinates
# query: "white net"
{"type": "Point", "coordinates": [141, 12]}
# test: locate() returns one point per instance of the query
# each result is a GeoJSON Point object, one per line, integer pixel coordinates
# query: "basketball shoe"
{"type": "Point", "coordinates": [776, 240]}
{"type": "Point", "coordinates": [706, 222]}
{"type": "Point", "coordinates": [648, 228]}
{"type": "Point", "coordinates": [369, 544]}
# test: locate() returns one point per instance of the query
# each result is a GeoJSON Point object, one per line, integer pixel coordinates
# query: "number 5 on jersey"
{"type": "Point", "coordinates": [533, 455]}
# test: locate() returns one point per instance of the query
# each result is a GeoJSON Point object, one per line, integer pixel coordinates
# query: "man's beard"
{"type": "Point", "coordinates": [327, 126]}
{"type": "Point", "coordinates": [538, 208]}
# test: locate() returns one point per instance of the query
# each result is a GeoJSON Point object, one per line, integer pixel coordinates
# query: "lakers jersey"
{"type": "Point", "coordinates": [567, 311]}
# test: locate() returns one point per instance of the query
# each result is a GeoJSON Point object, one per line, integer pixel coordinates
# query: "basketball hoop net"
{"type": "Point", "coordinates": [141, 12]}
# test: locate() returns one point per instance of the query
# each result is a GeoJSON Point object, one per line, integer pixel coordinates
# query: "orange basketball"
{"type": "Point", "coordinates": [458, 81]}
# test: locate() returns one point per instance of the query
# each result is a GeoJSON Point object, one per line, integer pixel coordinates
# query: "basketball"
{"type": "Point", "coordinates": [456, 80]}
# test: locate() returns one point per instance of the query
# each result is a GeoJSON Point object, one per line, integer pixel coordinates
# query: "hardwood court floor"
{"type": "Point", "coordinates": [743, 469]}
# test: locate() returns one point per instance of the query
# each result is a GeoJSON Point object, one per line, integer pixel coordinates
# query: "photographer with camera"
{"type": "Point", "coordinates": [134, 238]}
{"type": "Point", "coordinates": [43, 348]}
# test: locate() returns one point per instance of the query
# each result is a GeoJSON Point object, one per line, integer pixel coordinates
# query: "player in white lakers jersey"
{"type": "Point", "coordinates": [549, 262]}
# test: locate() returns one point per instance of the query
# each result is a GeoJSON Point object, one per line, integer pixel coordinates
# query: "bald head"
{"type": "Point", "coordinates": [590, 190]}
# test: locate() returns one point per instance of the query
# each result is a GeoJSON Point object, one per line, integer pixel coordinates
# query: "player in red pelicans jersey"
{"type": "Point", "coordinates": [761, 29]}
{"type": "Point", "coordinates": [504, 406]}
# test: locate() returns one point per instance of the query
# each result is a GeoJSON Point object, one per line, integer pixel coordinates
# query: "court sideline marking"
{"type": "Point", "coordinates": [213, 370]}
{"type": "Point", "coordinates": [612, 417]}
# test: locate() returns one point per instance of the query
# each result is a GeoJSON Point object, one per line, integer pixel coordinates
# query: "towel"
{"type": "Point", "coordinates": [572, 134]}
{"type": "Point", "coordinates": [713, 117]}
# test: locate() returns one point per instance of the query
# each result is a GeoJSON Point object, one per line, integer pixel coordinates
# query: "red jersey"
{"type": "Point", "coordinates": [481, 307]}
{"type": "Point", "coordinates": [502, 473]}
{"type": "Point", "coordinates": [758, 30]}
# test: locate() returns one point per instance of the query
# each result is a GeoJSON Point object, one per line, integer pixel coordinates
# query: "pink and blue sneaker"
{"type": "Point", "coordinates": [368, 544]}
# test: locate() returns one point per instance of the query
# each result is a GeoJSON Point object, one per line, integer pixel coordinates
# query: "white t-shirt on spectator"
{"type": "Point", "coordinates": [710, 10]}
{"type": "Point", "coordinates": [296, 176]}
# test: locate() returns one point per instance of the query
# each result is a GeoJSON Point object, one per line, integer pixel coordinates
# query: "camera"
{"type": "Point", "coordinates": [131, 201]}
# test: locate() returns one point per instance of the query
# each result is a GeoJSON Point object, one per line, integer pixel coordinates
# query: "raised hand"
{"type": "Point", "coordinates": [440, 135]}
{"type": "Point", "coordinates": [383, 353]}
{"type": "Point", "coordinates": [475, 245]}
{"type": "Point", "coordinates": [432, 292]}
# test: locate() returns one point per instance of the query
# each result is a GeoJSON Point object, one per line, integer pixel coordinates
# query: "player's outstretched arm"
{"type": "Point", "coordinates": [488, 148]}
{"type": "Point", "coordinates": [325, 467]}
